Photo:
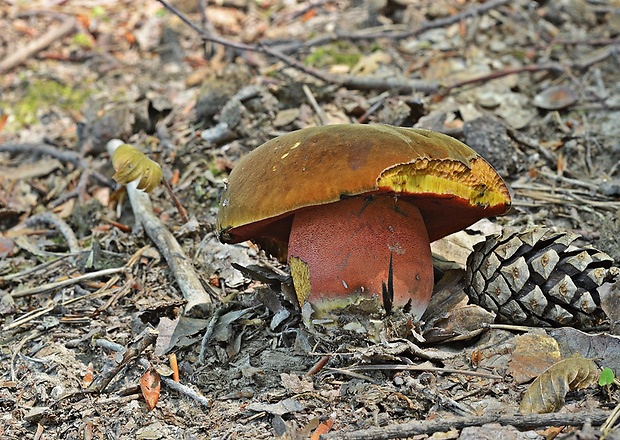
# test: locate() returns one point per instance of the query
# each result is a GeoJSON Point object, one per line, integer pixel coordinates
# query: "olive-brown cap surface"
{"type": "Point", "coordinates": [449, 182]}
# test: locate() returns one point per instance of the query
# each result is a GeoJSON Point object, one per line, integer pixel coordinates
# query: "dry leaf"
{"type": "Point", "coordinates": [323, 428]}
{"type": "Point", "coordinates": [88, 377]}
{"type": "Point", "coordinates": [547, 392]}
{"type": "Point", "coordinates": [150, 384]}
{"type": "Point", "coordinates": [596, 346]}
{"type": "Point", "coordinates": [131, 164]}
{"type": "Point", "coordinates": [297, 384]}
{"type": "Point", "coordinates": [533, 354]}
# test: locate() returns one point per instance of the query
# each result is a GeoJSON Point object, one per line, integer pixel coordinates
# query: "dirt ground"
{"type": "Point", "coordinates": [533, 86]}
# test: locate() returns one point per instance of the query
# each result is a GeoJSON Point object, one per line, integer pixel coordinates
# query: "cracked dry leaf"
{"type": "Point", "coordinates": [547, 392]}
{"type": "Point", "coordinates": [131, 164]}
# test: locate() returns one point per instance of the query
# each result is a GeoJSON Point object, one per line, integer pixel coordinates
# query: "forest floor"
{"type": "Point", "coordinates": [534, 87]}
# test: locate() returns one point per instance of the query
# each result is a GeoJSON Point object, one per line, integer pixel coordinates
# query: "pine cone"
{"type": "Point", "coordinates": [536, 277]}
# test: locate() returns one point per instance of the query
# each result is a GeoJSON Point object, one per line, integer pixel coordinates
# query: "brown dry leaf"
{"type": "Point", "coordinates": [131, 164]}
{"type": "Point", "coordinates": [88, 377]}
{"type": "Point", "coordinates": [7, 246]}
{"type": "Point", "coordinates": [455, 248]}
{"type": "Point", "coordinates": [547, 392]}
{"type": "Point", "coordinates": [297, 384]}
{"type": "Point", "coordinates": [534, 354]}
{"type": "Point", "coordinates": [150, 384]}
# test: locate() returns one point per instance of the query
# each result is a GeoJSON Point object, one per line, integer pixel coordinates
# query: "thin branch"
{"type": "Point", "coordinates": [172, 384]}
{"type": "Point", "coordinates": [62, 226]}
{"type": "Point", "coordinates": [405, 85]}
{"type": "Point", "coordinates": [552, 67]}
{"type": "Point", "coordinates": [205, 36]}
{"type": "Point", "coordinates": [18, 57]}
{"type": "Point", "coordinates": [315, 105]}
{"type": "Point", "coordinates": [43, 288]}
{"type": "Point", "coordinates": [48, 265]}
{"type": "Point", "coordinates": [362, 35]}
{"type": "Point", "coordinates": [67, 156]}
{"type": "Point", "coordinates": [143, 341]}
{"type": "Point", "coordinates": [43, 150]}
{"type": "Point", "coordinates": [398, 367]}
{"type": "Point", "coordinates": [519, 421]}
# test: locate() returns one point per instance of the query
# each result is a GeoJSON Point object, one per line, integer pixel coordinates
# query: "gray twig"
{"type": "Point", "coordinates": [62, 226]}
{"type": "Point", "coordinates": [18, 57]}
{"type": "Point", "coordinates": [519, 421]}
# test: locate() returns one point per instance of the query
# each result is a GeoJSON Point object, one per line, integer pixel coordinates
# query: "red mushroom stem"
{"type": "Point", "coordinates": [346, 247]}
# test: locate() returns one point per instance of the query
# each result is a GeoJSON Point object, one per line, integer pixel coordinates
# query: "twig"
{"type": "Point", "coordinates": [373, 108]}
{"type": "Point", "coordinates": [26, 272]}
{"type": "Point", "coordinates": [588, 42]}
{"type": "Point", "coordinates": [608, 426]}
{"type": "Point", "coordinates": [576, 182]}
{"type": "Point", "coordinates": [553, 67]}
{"type": "Point", "coordinates": [364, 35]}
{"type": "Point", "coordinates": [43, 150]}
{"type": "Point", "coordinates": [172, 384]}
{"type": "Point", "coordinates": [318, 366]}
{"type": "Point", "coordinates": [430, 426]}
{"type": "Point", "coordinates": [404, 85]}
{"type": "Point", "coordinates": [65, 156]}
{"type": "Point", "coordinates": [34, 314]}
{"type": "Point", "coordinates": [18, 57]}
{"type": "Point", "coordinates": [61, 225]}
{"type": "Point", "coordinates": [180, 208]}
{"type": "Point", "coordinates": [183, 389]}
{"type": "Point", "coordinates": [315, 105]}
{"type": "Point", "coordinates": [508, 327]}
{"type": "Point", "coordinates": [209, 332]}
{"type": "Point", "coordinates": [180, 265]}
{"type": "Point", "coordinates": [43, 288]}
{"type": "Point", "coordinates": [399, 367]}
{"type": "Point", "coordinates": [144, 340]}
{"type": "Point", "coordinates": [30, 316]}
{"type": "Point", "coordinates": [33, 335]}
{"type": "Point", "coordinates": [109, 345]}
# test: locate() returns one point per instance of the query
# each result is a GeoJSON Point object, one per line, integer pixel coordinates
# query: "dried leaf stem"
{"type": "Point", "coordinates": [552, 67]}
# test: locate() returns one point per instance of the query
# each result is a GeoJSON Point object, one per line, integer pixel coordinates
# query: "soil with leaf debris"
{"type": "Point", "coordinates": [532, 86]}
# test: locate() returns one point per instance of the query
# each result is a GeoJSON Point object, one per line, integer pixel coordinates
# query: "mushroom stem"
{"type": "Point", "coordinates": [345, 248]}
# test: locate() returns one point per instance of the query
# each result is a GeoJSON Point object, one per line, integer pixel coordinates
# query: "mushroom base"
{"type": "Point", "coordinates": [341, 251]}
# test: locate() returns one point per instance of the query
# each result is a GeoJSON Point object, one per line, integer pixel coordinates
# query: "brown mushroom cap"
{"type": "Point", "coordinates": [450, 183]}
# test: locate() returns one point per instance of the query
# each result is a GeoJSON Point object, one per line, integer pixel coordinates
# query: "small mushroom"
{"type": "Point", "coordinates": [353, 208]}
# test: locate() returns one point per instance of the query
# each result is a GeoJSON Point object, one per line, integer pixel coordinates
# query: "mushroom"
{"type": "Point", "coordinates": [353, 207]}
